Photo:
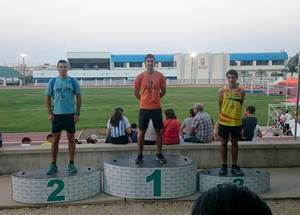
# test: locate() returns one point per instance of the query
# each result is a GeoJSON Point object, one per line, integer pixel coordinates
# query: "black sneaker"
{"type": "Point", "coordinates": [139, 159]}
{"type": "Point", "coordinates": [160, 158]}
{"type": "Point", "coordinates": [235, 169]}
{"type": "Point", "coordinates": [223, 170]}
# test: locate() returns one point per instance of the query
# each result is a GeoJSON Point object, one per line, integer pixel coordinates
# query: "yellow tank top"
{"type": "Point", "coordinates": [231, 110]}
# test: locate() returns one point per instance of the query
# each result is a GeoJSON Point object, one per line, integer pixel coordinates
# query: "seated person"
{"type": "Point", "coordinates": [134, 132]}
{"type": "Point", "coordinates": [49, 140]}
{"type": "Point", "coordinates": [257, 133]}
{"type": "Point", "coordinates": [150, 136]}
{"type": "Point", "coordinates": [249, 123]}
{"type": "Point", "coordinates": [230, 199]}
{"type": "Point", "coordinates": [171, 128]}
{"type": "Point", "coordinates": [118, 128]}
{"type": "Point", "coordinates": [26, 141]}
{"type": "Point", "coordinates": [186, 127]}
{"type": "Point", "coordinates": [202, 129]}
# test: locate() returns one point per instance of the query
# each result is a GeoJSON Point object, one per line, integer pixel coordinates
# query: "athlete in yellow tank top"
{"type": "Point", "coordinates": [231, 108]}
{"type": "Point", "coordinates": [231, 98]}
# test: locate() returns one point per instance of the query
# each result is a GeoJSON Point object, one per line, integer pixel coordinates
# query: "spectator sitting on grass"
{"type": "Point", "coordinates": [134, 132]}
{"type": "Point", "coordinates": [230, 199]}
{"type": "Point", "coordinates": [250, 129]}
{"type": "Point", "coordinates": [49, 140]}
{"type": "Point", "coordinates": [171, 128]}
{"type": "Point", "coordinates": [26, 141]}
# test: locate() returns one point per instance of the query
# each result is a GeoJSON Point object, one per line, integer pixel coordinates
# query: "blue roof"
{"type": "Point", "coordinates": [259, 56]}
{"type": "Point", "coordinates": [141, 58]}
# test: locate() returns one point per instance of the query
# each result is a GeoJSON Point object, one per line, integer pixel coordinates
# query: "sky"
{"type": "Point", "coordinates": [46, 29]}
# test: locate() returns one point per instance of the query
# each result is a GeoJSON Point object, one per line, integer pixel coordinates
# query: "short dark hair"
{"type": "Point", "coordinates": [170, 114]}
{"type": "Point", "coordinates": [133, 125]}
{"type": "Point", "coordinates": [230, 199]}
{"type": "Point", "coordinates": [62, 61]}
{"type": "Point", "coordinates": [26, 139]}
{"type": "Point", "coordinates": [120, 109]}
{"type": "Point", "coordinates": [149, 56]}
{"type": "Point", "coordinates": [251, 109]}
{"type": "Point", "coordinates": [232, 72]}
{"type": "Point", "coordinates": [49, 136]}
{"type": "Point", "coordinates": [192, 112]}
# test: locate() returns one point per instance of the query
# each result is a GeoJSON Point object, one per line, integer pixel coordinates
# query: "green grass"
{"type": "Point", "coordinates": [24, 110]}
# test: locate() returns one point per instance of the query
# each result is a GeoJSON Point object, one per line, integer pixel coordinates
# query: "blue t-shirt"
{"type": "Point", "coordinates": [63, 93]}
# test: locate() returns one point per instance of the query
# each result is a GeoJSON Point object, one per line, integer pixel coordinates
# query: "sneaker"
{"type": "Point", "coordinates": [72, 168]}
{"type": "Point", "coordinates": [223, 170]}
{"type": "Point", "coordinates": [139, 159]}
{"type": "Point", "coordinates": [52, 169]}
{"type": "Point", "coordinates": [235, 169]}
{"type": "Point", "coordinates": [160, 158]}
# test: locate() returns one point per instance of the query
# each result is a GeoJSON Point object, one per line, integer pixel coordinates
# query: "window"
{"type": "Point", "coordinates": [262, 62]}
{"type": "Point", "coordinates": [118, 64]}
{"type": "Point", "coordinates": [135, 64]}
{"type": "Point", "coordinates": [233, 63]}
{"type": "Point", "coordinates": [167, 64]}
{"type": "Point", "coordinates": [277, 62]}
{"type": "Point", "coordinates": [246, 63]}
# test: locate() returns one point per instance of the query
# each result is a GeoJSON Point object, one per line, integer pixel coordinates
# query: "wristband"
{"type": "Point", "coordinates": [77, 113]}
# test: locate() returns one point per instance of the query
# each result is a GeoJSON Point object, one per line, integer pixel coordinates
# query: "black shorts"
{"type": "Point", "coordinates": [155, 115]}
{"type": "Point", "coordinates": [120, 140]}
{"type": "Point", "coordinates": [234, 131]}
{"type": "Point", "coordinates": [63, 122]}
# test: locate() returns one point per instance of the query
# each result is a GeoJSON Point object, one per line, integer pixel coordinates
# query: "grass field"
{"type": "Point", "coordinates": [24, 110]}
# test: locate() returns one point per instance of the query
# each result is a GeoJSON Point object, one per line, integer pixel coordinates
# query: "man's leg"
{"type": "Point", "coordinates": [224, 150]}
{"type": "Point", "coordinates": [158, 133]}
{"type": "Point", "coordinates": [72, 145]}
{"type": "Point", "coordinates": [141, 141]}
{"type": "Point", "coordinates": [234, 150]}
{"type": "Point", "coordinates": [54, 145]}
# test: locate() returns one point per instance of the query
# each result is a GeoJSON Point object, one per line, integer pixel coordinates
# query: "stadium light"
{"type": "Point", "coordinates": [193, 54]}
{"type": "Point", "coordinates": [23, 55]}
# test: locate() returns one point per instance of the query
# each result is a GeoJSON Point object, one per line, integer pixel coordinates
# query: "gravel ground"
{"type": "Point", "coordinates": [279, 207]}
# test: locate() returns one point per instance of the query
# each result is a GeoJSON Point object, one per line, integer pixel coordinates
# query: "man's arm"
{"type": "Point", "coordinates": [48, 105]}
{"type": "Point", "coordinates": [220, 98]}
{"type": "Point", "coordinates": [162, 91]}
{"type": "Point", "coordinates": [181, 130]}
{"type": "Point", "coordinates": [78, 106]}
{"type": "Point", "coordinates": [193, 131]}
{"type": "Point", "coordinates": [137, 93]}
{"type": "Point", "coordinates": [243, 93]}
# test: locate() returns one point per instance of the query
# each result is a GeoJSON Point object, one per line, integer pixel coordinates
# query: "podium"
{"type": "Point", "coordinates": [150, 179]}
{"type": "Point", "coordinates": [36, 187]}
{"type": "Point", "coordinates": [256, 180]}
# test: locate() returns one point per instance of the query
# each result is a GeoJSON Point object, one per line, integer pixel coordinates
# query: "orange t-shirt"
{"type": "Point", "coordinates": [150, 93]}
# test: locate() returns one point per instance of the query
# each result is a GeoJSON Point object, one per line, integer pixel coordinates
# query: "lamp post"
{"type": "Point", "coordinates": [23, 55]}
{"type": "Point", "coordinates": [193, 55]}
{"type": "Point", "coordinates": [297, 99]}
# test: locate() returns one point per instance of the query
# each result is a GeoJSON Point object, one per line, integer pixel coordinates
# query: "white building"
{"type": "Point", "coordinates": [106, 68]}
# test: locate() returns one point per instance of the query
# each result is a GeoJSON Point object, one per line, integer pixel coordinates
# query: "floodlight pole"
{"type": "Point", "coordinates": [297, 99]}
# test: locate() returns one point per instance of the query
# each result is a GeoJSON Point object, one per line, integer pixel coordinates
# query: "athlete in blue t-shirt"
{"type": "Point", "coordinates": [63, 115]}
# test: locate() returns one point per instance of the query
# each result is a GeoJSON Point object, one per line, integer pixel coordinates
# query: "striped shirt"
{"type": "Point", "coordinates": [118, 131]}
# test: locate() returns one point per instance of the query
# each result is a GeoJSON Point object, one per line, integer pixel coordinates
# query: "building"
{"type": "Point", "coordinates": [104, 68]}
{"type": "Point", "coordinates": [9, 76]}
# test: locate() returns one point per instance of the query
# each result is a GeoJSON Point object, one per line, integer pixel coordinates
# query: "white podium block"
{"type": "Point", "coordinates": [36, 187]}
{"type": "Point", "coordinates": [150, 179]}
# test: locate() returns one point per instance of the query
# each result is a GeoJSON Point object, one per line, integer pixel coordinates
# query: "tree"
{"type": "Point", "coordinates": [261, 73]}
{"type": "Point", "coordinates": [293, 64]}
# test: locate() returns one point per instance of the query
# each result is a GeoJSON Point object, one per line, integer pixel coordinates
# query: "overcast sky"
{"type": "Point", "coordinates": [47, 29]}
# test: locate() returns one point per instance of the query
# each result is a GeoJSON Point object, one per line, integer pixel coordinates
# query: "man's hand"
{"type": "Point", "coordinates": [76, 118]}
{"type": "Point", "coordinates": [51, 117]}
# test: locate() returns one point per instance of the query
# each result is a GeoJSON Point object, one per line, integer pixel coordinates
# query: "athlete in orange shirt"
{"type": "Point", "coordinates": [150, 87]}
